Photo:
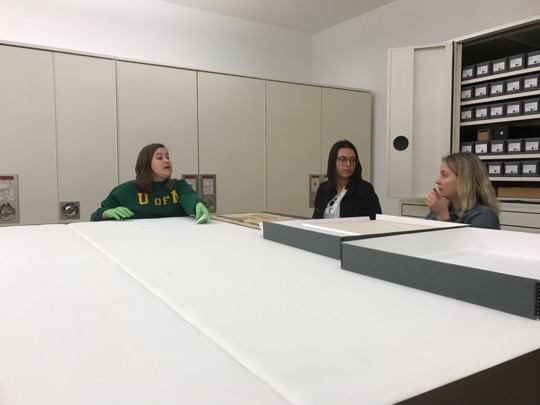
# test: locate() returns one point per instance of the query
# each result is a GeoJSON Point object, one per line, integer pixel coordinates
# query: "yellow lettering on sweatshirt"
{"type": "Point", "coordinates": [174, 196]}
{"type": "Point", "coordinates": [143, 198]}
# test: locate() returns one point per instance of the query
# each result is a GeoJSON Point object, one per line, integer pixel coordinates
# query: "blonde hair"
{"type": "Point", "coordinates": [473, 185]}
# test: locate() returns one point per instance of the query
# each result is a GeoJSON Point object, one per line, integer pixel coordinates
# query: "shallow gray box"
{"type": "Point", "coordinates": [495, 269]}
{"type": "Point", "coordinates": [325, 236]}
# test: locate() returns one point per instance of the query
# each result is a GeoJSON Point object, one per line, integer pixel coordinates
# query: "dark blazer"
{"type": "Point", "coordinates": [359, 201]}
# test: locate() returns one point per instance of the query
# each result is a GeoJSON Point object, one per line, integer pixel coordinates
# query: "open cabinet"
{"type": "Point", "coordinates": [493, 103]}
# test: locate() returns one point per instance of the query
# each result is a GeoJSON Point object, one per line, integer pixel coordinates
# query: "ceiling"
{"type": "Point", "coordinates": [309, 16]}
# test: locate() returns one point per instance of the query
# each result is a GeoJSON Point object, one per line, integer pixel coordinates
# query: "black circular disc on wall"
{"type": "Point", "coordinates": [401, 143]}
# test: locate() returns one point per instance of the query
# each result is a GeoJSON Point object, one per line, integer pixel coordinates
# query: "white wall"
{"type": "Point", "coordinates": [352, 54]}
{"type": "Point", "coordinates": [355, 53]}
{"type": "Point", "coordinates": [162, 32]}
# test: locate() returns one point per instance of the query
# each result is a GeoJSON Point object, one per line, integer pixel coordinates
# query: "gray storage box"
{"type": "Point", "coordinates": [499, 65]}
{"type": "Point", "coordinates": [531, 145]}
{"type": "Point", "coordinates": [516, 62]}
{"type": "Point", "coordinates": [481, 91]}
{"type": "Point", "coordinates": [496, 89]}
{"type": "Point", "coordinates": [530, 106]}
{"type": "Point", "coordinates": [467, 114]}
{"type": "Point", "coordinates": [514, 108]}
{"type": "Point", "coordinates": [514, 146]}
{"type": "Point", "coordinates": [324, 236]}
{"type": "Point", "coordinates": [467, 93]}
{"type": "Point", "coordinates": [533, 59]}
{"type": "Point", "coordinates": [481, 112]}
{"type": "Point", "coordinates": [482, 69]}
{"type": "Point", "coordinates": [467, 147]}
{"type": "Point", "coordinates": [467, 72]}
{"type": "Point", "coordinates": [495, 169]}
{"type": "Point", "coordinates": [497, 147]}
{"type": "Point", "coordinates": [512, 169]}
{"type": "Point", "coordinates": [481, 147]}
{"type": "Point", "coordinates": [497, 110]}
{"type": "Point", "coordinates": [514, 85]}
{"type": "Point", "coordinates": [530, 168]}
{"type": "Point", "coordinates": [495, 269]}
{"type": "Point", "coordinates": [530, 82]}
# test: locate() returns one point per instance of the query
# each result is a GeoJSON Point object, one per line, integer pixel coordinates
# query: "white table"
{"type": "Point", "coordinates": [277, 323]}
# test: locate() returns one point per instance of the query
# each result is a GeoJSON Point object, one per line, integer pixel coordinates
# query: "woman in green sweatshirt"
{"type": "Point", "coordinates": [153, 194]}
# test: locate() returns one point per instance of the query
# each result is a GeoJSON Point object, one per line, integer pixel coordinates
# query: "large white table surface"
{"type": "Point", "coordinates": [314, 332]}
{"type": "Point", "coordinates": [76, 328]}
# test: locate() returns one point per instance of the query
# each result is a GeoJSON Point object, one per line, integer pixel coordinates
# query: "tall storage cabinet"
{"type": "Point", "coordinates": [293, 145]}
{"type": "Point", "coordinates": [73, 124]}
{"type": "Point", "coordinates": [495, 114]}
{"type": "Point", "coordinates": [231, 139]}
{"type": "Point", "coordinates": [85, 93]}
{"type": "Point", "coordinates": [156, 104]}
{"type": "Point", "coordinates": [27, 128]}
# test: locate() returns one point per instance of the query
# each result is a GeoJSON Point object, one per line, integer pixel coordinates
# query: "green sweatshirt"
{"type": "Point", "coordinates": [179, 202]}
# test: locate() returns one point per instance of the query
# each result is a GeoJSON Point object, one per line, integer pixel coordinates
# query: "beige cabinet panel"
{"type": "Point", "coordinates": [419, 117]}
{"type": "Point", "coordinates": [231, 140]}
{"type": "Point", "coordinates": [156, 104]}
{"type": "Point", "coordinates": [27, 128]}
{"type": "Point", "coordinates": [346, 114]}
{"type": "Point", "coordinates": [86, 130]}
{"type": "Point", "coordinates": [293, 146]}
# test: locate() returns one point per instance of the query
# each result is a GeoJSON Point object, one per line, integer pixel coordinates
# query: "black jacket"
{"type": "Point", "coordinates": [359, 201]}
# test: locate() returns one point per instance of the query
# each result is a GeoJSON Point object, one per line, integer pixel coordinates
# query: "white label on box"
{"type": "Point", "coordinates": [466, 148]}
{"type": "Point", "coordinates": [480, 70]}
{"type": "Point", "coordinates": [494, 169]}
{"type": "Point", "coordinates": [518, 62]}
{"type": "Point", "coordinates": [511, 169]}
{"type": "Point", "coordinates": [532, 106]}
{"type": "Point", "coordinates": [532, 145]}
{"type": "Point", "coordinates": [532, 82]}
{"type": "Point", "coordinates": [533, 60]}
{"type": "Point", "coordinates": [466, 93]}
{"type": "Point", "coordinates": [512, 86]}
{"type": "Point", "coordinates": [466, 115]}
{"type": "Point", "coordinates": [498, 66]}
{"type": "Point", "coordinates": [496, 111]}
{"type": "Point", "coordinates": [481, 148]}
{"type": "Point", "coordinates": [514, 146]}
{"type": "Point", "coordinates": [497, 89]}
{"type": "Point", "coordinates": [496, 147]}
{"type": "Point", "coordinates": [512, 109]}
{"type": "Point", "coordinates": [481, 112]}
{"type": "Point", "coordinates": [529, 168]}
{"type": "Point", "coordinates": [467, 73]}
{"type": "Point", "coordinates": [480, 91]}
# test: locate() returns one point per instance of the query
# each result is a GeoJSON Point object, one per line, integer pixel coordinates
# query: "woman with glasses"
{"type": "Point", "coordinates": [345, 194]}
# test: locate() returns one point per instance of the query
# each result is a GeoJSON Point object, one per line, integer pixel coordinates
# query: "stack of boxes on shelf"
{"type": "Point", "coordinates": [518, 85]}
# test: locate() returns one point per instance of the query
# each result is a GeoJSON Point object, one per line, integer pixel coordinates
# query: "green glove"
{"type": "Point", "coordinates": [201, 213]}
{"type": "Point", "coordinates": [117, 213]}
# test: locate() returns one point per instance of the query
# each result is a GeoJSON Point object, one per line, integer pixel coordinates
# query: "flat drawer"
{"type": "Point", "coordinates": [414, 210]}
{"type": "Point", "coordinates": [520, 219]}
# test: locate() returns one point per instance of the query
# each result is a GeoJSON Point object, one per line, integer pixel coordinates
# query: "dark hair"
{"type": "Point", "coordinates": [144, 176]}
{"type": "Point", "coordinates": [332, 159]}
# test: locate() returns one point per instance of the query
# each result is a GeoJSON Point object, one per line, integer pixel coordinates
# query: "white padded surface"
{"type": "Point", "coordinates": [317, 334]}
{"type": "Point", "coordinates": [75, 328]}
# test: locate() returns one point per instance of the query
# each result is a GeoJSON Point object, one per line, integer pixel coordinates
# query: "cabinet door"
{"type": "Point", "coordinates": [27, 125]}
{"type": "Point", "coordinates": [419, 117]}
{"type": "Point", "coordinates": [86, 130]}
{"type": "Point", "coordinates": [293, 146]}
{"type": "Point", "coordinates": [346, 114]}
{"type": "Point", "coordinates": [231, 139]}
{"type": "Point", "coordinates": [156, 104]}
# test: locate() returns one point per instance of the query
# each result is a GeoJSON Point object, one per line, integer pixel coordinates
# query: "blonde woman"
{"type": "Point", "coordinates": [464, 193]}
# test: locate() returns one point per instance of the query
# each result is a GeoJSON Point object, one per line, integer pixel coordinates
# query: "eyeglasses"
{"type": "Point", "coordinates": [343, 161]}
